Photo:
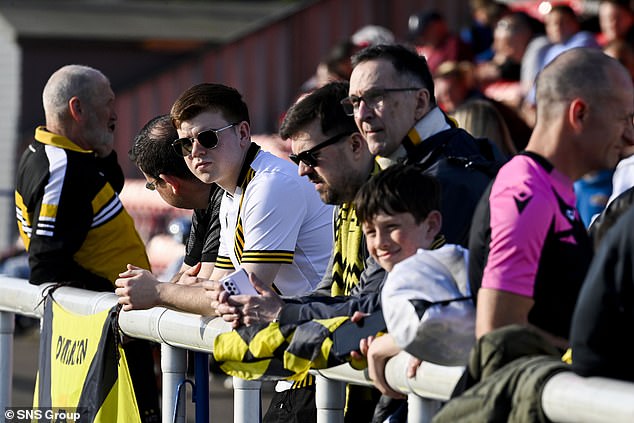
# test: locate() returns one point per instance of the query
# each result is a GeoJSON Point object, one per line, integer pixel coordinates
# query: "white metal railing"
{"type": "Point", "coordinates": [566, 396]}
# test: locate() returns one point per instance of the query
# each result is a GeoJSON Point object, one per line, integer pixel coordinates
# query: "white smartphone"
{"type": "Point", "coordinates": [238, 283]}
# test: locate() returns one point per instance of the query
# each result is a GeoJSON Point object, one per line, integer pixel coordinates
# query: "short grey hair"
{"type": "Point", "coordinates": [67, 82]}
{"type": "Point", "coordinates": [579, 72]}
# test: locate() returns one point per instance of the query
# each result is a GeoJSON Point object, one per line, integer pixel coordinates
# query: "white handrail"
{"type": "Point", "coordinates": [566, 396]}
{"type": "Point", "coordinates": [174, 329]}
{"type": "Point", "coordinates": [569, 398]}
{"type": "Point", "coordinates": [183, 330]}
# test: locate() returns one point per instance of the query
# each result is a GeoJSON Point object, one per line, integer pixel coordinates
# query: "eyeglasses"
{"type": "Point", "coordinates": [373, 98]}
{"type": "Point", "coordinates": [151, 185]}
{"type": "Point", "coordinates": [207, 138]}
{"type": "Point", "coordinates": [308, 157]}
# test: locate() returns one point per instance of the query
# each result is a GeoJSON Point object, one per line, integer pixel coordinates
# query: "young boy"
{"type": "Point", "coordinates": [399, 213]}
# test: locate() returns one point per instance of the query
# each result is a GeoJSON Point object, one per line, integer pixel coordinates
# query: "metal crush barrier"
{"type": "Point", "coordinates": [566, 397]}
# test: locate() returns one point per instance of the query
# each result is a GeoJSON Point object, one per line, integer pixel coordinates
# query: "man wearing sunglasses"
{"type": "Point", "coordinates": [272, 221]}
{"type": "Point", "coordinates": [331, 153]}
{"type": "Point", "coordinates": [337, 169]}
{"type": "Point", "coordinates": [392, 101]}
{"type": "Point", "coordinates": [168, 174]}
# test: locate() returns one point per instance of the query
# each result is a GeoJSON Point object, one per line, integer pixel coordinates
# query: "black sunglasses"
{"type": "Point", "coordinates": [308, 156]}
{"type": "Point", "coordinates": [207, 138]}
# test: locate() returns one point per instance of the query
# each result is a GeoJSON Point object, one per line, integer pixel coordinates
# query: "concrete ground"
{"type": "Point", "coordinates": [25, 353]}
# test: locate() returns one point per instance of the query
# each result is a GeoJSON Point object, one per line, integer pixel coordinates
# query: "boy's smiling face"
{"type": "Point", "coordinates": [393, 238]}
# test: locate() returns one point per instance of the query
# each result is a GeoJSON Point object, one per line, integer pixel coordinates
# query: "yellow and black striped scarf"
{"type": "Point", "coordinates": [349, 254]}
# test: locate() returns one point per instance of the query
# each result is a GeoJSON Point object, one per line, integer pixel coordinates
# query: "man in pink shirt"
{"type": "Point", "coordinates": [529, 249]}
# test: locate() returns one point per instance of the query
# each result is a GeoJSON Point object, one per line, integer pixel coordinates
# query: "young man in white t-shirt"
{"type": "Point", "coordinates": [273, 223]}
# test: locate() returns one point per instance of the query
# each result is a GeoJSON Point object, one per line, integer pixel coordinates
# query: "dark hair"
{"type": "Point", "coordinates": [564, 9]}
{"type": "Point", "coordinates": [405, 61]}
{"type": "Point", "coordinates": [323, 104]}
{"type": "Point", "coordinates": [398, 189]}
{"type": "Point", "coordinates": [152, 150]}
{"type": "Point", "coordinates": [213, 97]}
{"type": "Point", "coordinates": [339, 56]}
{"type": "Point", "coordinates": [418, 23]}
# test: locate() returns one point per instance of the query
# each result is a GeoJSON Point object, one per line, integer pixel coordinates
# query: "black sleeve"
{"type": "Point", "coordinates": [51, 258]}
{"type": "Point", "coordinates": [204, 237]}
{"type": "Point", "coordinates": [73, 275]}
{"type": "Point", "coordinates": [315, 306]}
{"type": "Point", "coordinates": [479, 239]}
{"type": "Point", "coordinates": [464, 174]}
{"type": "Point", "coordinates": [604, 315]}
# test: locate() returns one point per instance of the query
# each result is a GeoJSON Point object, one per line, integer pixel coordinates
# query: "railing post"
{"type": "Point", "coordinates": [330, 398]}
{"type": "Point", "coordinates": [173, 366]}
{"type": "Point", "coordinates": [247, 401]}
{"type": "Point", "coordinates": [7, 328]}
{"type": "Point", "coordinates": [201, 386]}
{"type": "Point", "coordinates": [421, 410]}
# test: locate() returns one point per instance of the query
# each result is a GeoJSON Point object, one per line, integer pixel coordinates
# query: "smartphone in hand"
{"type": "Point", "coordinates": [238, 283]}
{"type": "Point", "coordinates": [346, 337]}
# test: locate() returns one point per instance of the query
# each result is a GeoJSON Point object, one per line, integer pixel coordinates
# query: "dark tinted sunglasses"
{"type": "Point", "coordinates": [308, 157]}
{"type": "Point", "coordinates": [207, 138]}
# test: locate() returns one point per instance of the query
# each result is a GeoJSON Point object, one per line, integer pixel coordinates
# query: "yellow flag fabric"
{"type": "Point", "coordinates": [273, 352]}
{"type": "Point", "coordinates": [83, 368]}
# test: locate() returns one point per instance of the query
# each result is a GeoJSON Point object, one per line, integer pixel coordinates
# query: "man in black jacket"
{"type": "Point", "coordinates": [392, 101]}
{"type": "Point", "coordinates": [71, 220]}
{"type": "Point", "coordinates": [68, 209]}
{"type": "Point", "coordinates": [605, 308]}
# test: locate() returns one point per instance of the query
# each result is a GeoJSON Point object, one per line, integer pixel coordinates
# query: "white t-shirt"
{"type": "Point", "coordinates": [276, 216]}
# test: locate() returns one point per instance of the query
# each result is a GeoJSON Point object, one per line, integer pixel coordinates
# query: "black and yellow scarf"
{"type": "Point", "coordinates": [349, 254]}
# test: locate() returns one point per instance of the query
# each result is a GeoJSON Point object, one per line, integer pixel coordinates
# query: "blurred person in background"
{"type": "Point", "coordinates": [455, 89]}
{"type": "Point", "coordinates": [335, 66]}
{"type": "Point", "coordinates": [430, 34]}
{"type": "Point", "coordinates": [455, 84]}
{"type": "Point", "coordinates": [623, 52]}
{"type": "Point", "coordinates": [485, 15]}
{"type": "Point", "coordinates": [616, 21]}
{"type": "Point", "coordinates": [563, 32]}
{"type": "Point", "coordinates": [499, 78]}
{"type": "Point", "coordinates": [481, 119]}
